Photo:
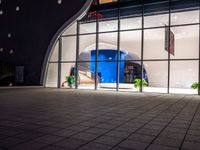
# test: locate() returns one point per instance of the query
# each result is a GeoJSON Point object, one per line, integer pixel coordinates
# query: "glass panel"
{"type": "Point", "coordinates": [187, 17]}
{"type": "Point", "coordinates": [108, 41]}
{"type": "Point", "coordinates": [88, 27]}
{"type": "Point", "coordinates": [156, 20]}
{"type": "Point", "coordinates": [71, 30]}
{"type": "Point", "coordinates": [186, 42]}
{"type": "Point", "coordinates": [67, 69]}
{"type": "Point", "coordinates": [86, 75]}
{"type": "Point", "coordinates": [111, 25]}
{"type": "Point", "coordinates": [156, 14]}
{"type": "Point", "coordinates": [52, 75]}
{"type": "Point", "coordinates": [87, 45]}
{"type": "Point", "coordinates": [107, 75]}
{"type": "Point", "coordinates": [54, 56]}
{"type": "Point", "coordinates": [156, 74]}
{"type": "Point", "coordinates": [130, 71]}
{"type": "Point", "coordinates": [130, 45]}
{"type": "Point", "coordinates": [106, 24]}
{"type": "Point", "coordinates": [154, 44]}
{"type": "Point", "coordinates": [182, 75]}
{"type": "Point", "coordinates": [130, 17]}
{"type": "Point", "coordinates": [131, 23]}
{"type": "Point", "coordinates": [69, 48]}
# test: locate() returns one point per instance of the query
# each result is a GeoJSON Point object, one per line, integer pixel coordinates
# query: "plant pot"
{"type": "Point", "coordinates": [71, 86]}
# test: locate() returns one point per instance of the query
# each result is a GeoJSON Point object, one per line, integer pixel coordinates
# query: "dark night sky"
{"type": "Point", "coordinates": [31, 29]}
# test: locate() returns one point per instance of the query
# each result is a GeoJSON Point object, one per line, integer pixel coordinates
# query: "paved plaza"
{"type": "Point", "coordinates": [53, 119]}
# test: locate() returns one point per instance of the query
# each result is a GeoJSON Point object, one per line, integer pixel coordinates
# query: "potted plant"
{"type": "Point", "coordinates": [195, 85]}
{"type": "Point", "coordinates": [71, 81]}
{"type": "Point", "coordinates": [138, 83]}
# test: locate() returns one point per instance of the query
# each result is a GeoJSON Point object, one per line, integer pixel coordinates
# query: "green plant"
{"type": "Point", "coordinates": [195, 85]}
{"type": "Point", "coordinates": [138, 83]}
{"type": "Point", "coordinates": [70, 80]}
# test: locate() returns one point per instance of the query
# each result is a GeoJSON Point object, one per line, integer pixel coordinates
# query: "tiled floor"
{"type": "Point", "coordinates": [52, 119]}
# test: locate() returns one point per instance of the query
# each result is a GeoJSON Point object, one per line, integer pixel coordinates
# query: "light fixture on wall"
{"type": "Point", "coordinates": [1, 50]}
{"type": "Point", "coordinates": [1, 12]}
{"type": "Point", "coordinates": [17, 8]}
{"type": "Point", "coordinates": [59, 2]}
{"type": "Point", "coordinates": [9, 35]}
{"type": "Point", "coordinates": [11, 51]}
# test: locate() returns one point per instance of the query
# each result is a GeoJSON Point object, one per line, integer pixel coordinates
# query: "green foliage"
{"type": "Point", "coordinates": [138, 83]}
{"type": "Point", "coordinates": [70, 80]}
{"type": "Point", "coordinates": [195, 85]}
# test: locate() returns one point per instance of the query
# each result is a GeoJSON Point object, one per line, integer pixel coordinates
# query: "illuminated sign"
{"type": "Point", "coordinates": [106, 1]}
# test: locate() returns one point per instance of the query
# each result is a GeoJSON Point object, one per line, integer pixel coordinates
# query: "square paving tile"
{"type": "Point", "coordinates": [112, 141]}
{"type": "Point", "coordinates": [160, 147]}
{"type": "Point", "coordinates": [85, 136]}
{"type": "Point", "coordinates": [48, 139]}
{"type": "Point", "coordinates": [130, 144]}
{"type": "Point", "coordinates": [95, 146]}
{"type": "Point", "coordinates": [71, 143]}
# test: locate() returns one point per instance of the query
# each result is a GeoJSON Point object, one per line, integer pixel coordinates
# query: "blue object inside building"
{"type": "Point", "coordinates": [107, 65]}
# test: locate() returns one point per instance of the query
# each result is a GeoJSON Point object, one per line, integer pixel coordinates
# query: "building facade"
{"type": "Point", "coordinates": [130, 45]}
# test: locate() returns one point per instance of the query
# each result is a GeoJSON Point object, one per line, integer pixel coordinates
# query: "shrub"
{"type": "Point", "coordinates": [138, 83]}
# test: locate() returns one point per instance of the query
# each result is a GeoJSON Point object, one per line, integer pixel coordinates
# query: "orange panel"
{"type": "Point", "coordinates": [105, 1]}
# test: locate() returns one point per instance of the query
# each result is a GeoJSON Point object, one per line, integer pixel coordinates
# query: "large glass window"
{"type": "Point", "coordinates": [150, 47]}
